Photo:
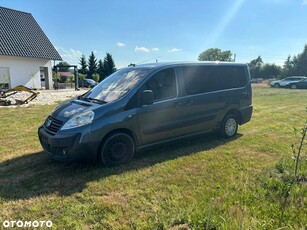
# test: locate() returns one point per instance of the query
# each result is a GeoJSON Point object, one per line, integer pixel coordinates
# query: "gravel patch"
{"type": "Point", "coordinates": [45, 97]}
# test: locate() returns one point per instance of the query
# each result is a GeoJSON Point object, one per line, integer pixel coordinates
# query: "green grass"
{"type": "Point", "coordinates": [233, 184]}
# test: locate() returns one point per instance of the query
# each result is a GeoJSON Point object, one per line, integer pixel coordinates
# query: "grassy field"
{"type": "Point", "coordinates": [205, 183]}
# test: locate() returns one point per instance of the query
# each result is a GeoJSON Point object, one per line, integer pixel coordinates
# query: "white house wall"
{"type": "Point", "coordinates": [26, 71]}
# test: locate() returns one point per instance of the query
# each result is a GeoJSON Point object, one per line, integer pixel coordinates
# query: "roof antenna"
{"type": "Point", "coordinates": [149, 60]}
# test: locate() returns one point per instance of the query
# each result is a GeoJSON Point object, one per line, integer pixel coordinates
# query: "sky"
{"type": "Point", "coordinates": [143, 31]}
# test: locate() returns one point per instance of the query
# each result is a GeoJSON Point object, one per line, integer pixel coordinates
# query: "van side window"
{"type": "Point", "coordinates": [205, 79]}
{"type": "Point", "coordinates": [162, 84]}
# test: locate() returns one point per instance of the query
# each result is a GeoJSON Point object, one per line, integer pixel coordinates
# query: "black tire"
{"type": "Point", "coordinates": [117, 149]}
{"type": "Point", "coordinates": [293, 86]}
{"type": "Point", "coordinates": [277, 85]}
{"type": "Point", "coordinates": [229, 126]}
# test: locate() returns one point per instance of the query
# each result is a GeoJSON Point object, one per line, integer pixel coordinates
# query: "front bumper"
{"type": "Point", "coordinates": [67, 147]}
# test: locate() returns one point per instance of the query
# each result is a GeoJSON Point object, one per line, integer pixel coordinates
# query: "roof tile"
{"type": "Point", "coordinates": [20, 35]}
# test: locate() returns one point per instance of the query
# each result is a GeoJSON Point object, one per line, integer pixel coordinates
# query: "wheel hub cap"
{"type": "Point", "coordinates": [230, 127]}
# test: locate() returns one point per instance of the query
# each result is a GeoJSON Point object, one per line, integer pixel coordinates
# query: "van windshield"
{"type": "Point", "coordinates": [116, 85]}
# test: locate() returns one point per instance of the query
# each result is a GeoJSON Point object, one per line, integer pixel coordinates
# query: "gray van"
{"type": "Point", "coordinates": [142, 106]}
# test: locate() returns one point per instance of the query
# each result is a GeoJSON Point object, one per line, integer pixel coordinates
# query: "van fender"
{"type": "Point", "coordinates": [229, 110]}
{"type": "Point", "coordinates": [122, 122]}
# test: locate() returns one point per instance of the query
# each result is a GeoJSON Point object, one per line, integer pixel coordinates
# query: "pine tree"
{"type": "Point", "coordinates": [302, 63]}
{"type": "Point", "coordinates": [92, 65]}
{"type": "Point", "coordinates": [100, 70]}
{"type": "Point", "coordinates": [108, 65]}
{"type": "Point", "coordinates": [83, 65]}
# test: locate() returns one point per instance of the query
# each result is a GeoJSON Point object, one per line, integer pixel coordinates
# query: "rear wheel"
{"type": "Point", "coordinates": [229, 126]}
{"type": "Point", "coordinates": [293, 86]}
{"type": "Point", "coordinates": [117, 149]}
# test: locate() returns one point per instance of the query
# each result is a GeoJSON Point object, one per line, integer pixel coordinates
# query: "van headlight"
{"type": "Point", "coordinates": [79, 120]}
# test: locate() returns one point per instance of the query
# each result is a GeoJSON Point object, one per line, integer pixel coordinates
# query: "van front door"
{"type": "Point", "coordinates": [161, 120]}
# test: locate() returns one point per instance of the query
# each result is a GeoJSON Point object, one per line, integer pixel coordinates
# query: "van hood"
{"type": "Point", "coordinates": [72, 108]}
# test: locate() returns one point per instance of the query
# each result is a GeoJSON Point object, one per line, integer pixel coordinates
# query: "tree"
{"type": "Point", "coordinates": [96, 77]}
{"type": "Point", "coordinates": [291, 66]}
{"type": "Point", "coordinates": [255, 67]}
{"type": "Point", "coordinates": [83, 65]}
{"type": "Point", "coordinates": [287, 67]}
{"type": "Point", "coordinates": [295, 62]}
{"type": "Point", "coordinates": [71, 79]}
{"type": "Point", "coordinates": [63, 69]}
{"type": "Point", "coordinates": [270, 71]}
{"type": "Point", "coordinates": [215, 54]}
{"type": "Point", "coordinates": [302, 63]}
{"type": "Point", "coordinates": [92, 65]}
{"type": "Point", "coordinates": [100, 70]}
{"type": "Point", "coordinates": [260, 70]}
{"type": "Point", "coordinates": [56, 77]}
{"type": "Point", "coordinates": [108, 65]}
{"type": "Point", "coordinates": [288, 64]}
{"type": "Point", "coordinates": [297, 65]}
{"type": "Point", "coordinates": [82, 77]}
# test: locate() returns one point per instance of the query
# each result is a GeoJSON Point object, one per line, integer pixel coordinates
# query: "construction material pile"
{"type": "Point", "coordinates": [42, 97]}
{"type": "Point", "coordinates": [18, 95]}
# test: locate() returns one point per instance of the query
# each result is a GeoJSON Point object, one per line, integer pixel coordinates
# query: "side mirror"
{"type": "Point", "coordinates": [147, 97]}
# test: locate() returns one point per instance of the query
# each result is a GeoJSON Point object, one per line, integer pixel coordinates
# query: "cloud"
{"type": "Point", "coordinates": [141, 49]}
{"type": "Point", "coordinates": [155, 49]}
{"type": "Point", "coordinates": [304, 2]}
{"type": "Point", "coordinates": [174, 50]}
{"type": "Point", "coordinates": [69, 55]}
{"type": "Point", "coordinates": [120, 44]}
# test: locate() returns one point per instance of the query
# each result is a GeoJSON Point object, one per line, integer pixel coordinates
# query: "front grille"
{"type": "Point", "coordinates": [52, 125]}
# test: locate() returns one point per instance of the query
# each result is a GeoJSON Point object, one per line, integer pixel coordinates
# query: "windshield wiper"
{"type": "Point", "coordinates": [81, 96]}
{"type": "Point", "coordinates": [93, 100]}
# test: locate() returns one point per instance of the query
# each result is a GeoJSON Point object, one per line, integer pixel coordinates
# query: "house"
{"type": "Point", "coordinates": [65, 75]}
{"type": "Point", "coordinates": [26, 53]}
{"type": "Point", "coordinates": [65, 78]}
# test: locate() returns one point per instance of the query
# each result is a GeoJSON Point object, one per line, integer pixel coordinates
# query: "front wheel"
{"type": "Point", "coordinates": [117, 149]}
{"type": "Point", "coordinates": [277, 85]}
{"type": "Point", "coordinates": [229, 126]}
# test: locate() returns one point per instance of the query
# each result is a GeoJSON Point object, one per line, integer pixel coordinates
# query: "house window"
{"type": "Point", "coordinates": [4, 78]}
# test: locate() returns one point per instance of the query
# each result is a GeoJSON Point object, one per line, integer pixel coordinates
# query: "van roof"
{"type": "Point", "coordinates": [163, 64]}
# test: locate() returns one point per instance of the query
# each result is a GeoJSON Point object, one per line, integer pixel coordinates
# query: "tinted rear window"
{"type": "Point", "coordinates": [203, 79]}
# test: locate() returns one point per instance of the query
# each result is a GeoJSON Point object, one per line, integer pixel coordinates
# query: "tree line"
{"type": "Point", "coordinates": [92, 68]}
{"type": "Point", "coordinates": [293, 66]}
